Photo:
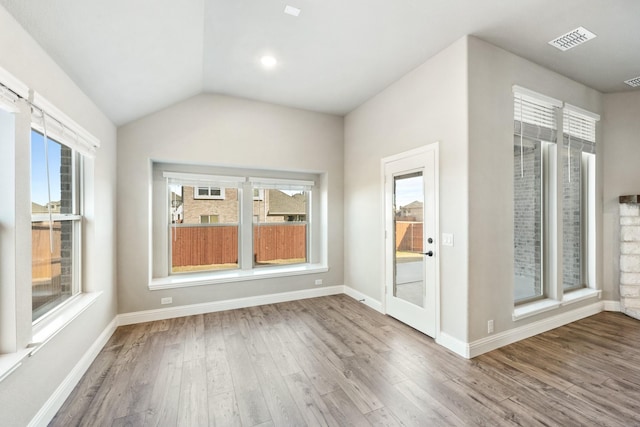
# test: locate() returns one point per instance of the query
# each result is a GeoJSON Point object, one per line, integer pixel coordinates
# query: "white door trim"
{"type": "Point", "coordinates": [435, 147]}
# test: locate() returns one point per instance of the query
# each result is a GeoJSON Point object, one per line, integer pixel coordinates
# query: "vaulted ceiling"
{"type": "Point", "coordinates": [136, 57]}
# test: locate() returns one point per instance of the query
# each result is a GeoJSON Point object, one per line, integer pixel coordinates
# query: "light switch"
{"type": "Point", "coordinates": [447, 239]}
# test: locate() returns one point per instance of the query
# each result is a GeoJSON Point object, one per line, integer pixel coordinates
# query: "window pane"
{"type": "Point", "coordinates": [60, 183]}
{"type": "Point", "coordinates": [52, 265]}
{"type": "Point", "coordinates": [527, 219]}
{"type": "Point", "coordinates": [572, 225]}
{"type": "Point", "coordinates": [280, 227]}
{"type": "Point", "coordinates": [204, 232]}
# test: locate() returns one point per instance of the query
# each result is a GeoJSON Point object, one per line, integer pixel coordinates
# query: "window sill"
{"type": "Point", "coordinates": [527, 310]}
{"type": "Point", "coordinates": [62, 318]}
{"type": "Point", "coordinates": [210, 278]}
{"type": "Point", "coordinates": [580, 295]}
{"type": "Point", "coordinates": [531, 309]}
{"type": "Point", "coordinates": [12, 361]}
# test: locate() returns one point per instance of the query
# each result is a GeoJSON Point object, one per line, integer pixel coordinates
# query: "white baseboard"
{"type": "Point", "coordinates": [210, 307]}
{"type": "Point", "coordinates": [57, 399]}
{"type": "Point", "coordinates": [357, 295]}
{"type": "Point", "coordinates": [461, 348]}
{"type": "Point", "coordinates": [493, 342]}
{"type": "Point", "coordinates": [611, 305]}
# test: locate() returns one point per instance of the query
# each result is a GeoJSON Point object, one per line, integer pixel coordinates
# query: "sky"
{"type": "Point", "coordinates": [409, 190]}
{"type": "Point", "coordinates": [39, 170]}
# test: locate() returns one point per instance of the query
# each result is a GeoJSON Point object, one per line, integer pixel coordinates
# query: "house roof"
{"type": "Point", "coordinates": [413, 205]}
{"type": "Point", "coordinates": [283, 204]}
{"type": "Point", "coordinates": [136, 57]}
{"type": "Point", "coordinates": [40, 209]}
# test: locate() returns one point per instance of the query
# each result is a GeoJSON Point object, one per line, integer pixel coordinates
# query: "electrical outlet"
{"type": "Point", "coordinates": [166, 300]}
{"type": "Point", "coordinates": [318, 281]}
{"type": "Point", "coordinates": [490, 326]}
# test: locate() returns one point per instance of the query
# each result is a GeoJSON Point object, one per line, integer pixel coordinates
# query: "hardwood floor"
{"type": "Point", "coordinates": [333, 361]}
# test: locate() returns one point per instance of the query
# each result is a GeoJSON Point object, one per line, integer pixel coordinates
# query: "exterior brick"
{"type": "Point", "coordinates": [629, 210]}
{"type": "Point", "coordinates": [629, 233]}
{"type": "Point", "coordinates": [630, 258]}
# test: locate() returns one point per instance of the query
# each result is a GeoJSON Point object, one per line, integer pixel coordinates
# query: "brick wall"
{"type": "Point", "coordinates": [527, 215]}
{"type": "Point", "coordinates": [227, 209]}
{"type": "Point", "coordinates": [571, 219]}
{"type": "Point", "coordinates": [66, 206]}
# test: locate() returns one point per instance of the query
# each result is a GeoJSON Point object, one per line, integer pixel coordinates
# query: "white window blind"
{"type": "Point", "coordinates": [281, 184]}
{"type": "Point", "coordinates": [61, 128]}
{"type": "Point", "coordinates": [202, 180]}
{"type": "Point", "coordinates": [11, 89]}
{"type": "Point", "coordinates": [8, 100]}
{"type": "Point", "coordinates": [580, 123]}
{"type": "Point", "coordinates": [534, 115]}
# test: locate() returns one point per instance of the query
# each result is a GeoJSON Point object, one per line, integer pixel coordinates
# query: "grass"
{"type": "Point", "coordinates": [405, 256]}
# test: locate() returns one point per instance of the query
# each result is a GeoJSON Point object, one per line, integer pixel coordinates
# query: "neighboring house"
{"type": "Point", "coordinates": [206, 205]}
{"type": "Point", "coordinates": [411, 212]}
{"type": "Point", "coordinates": [40, 209]}
{"type": "Point", "coordinates": [282, 207]}
{"type": "Point", "coordinates": [175, 201]}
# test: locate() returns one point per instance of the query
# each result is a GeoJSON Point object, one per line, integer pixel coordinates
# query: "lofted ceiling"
{"type": "Point", "coordinates": [136, 57]}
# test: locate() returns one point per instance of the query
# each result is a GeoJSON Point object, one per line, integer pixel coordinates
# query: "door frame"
{"type": "Point", "coordinates": [435, 148]}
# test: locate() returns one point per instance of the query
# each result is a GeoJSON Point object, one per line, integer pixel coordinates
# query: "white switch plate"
{"type": "Point", "coordinates": [447, 239]}
{"type": "Point", "coordinates": [166, 300]}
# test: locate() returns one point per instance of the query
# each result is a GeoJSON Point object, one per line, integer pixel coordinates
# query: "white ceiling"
{"type": "Point", "coordinates": [136, 57]}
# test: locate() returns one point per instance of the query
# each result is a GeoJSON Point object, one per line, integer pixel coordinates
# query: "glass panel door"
{"type": "Point", "coordinates": [408, 197]}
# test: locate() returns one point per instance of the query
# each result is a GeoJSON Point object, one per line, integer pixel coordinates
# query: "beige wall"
{"type": "Point", "coordinates": [492, 73]}
{"type": "Point", "coordinates": [621, 144]}
{"type": "Point", "coordinates": [428, 104]}
{"type": "Point", "coordinates": [226, 132]}
{"type": "Point", "coordinates": [26, 390]}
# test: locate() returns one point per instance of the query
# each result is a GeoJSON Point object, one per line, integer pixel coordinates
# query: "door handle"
{"type": "Point", "coordinates": [430, 253]}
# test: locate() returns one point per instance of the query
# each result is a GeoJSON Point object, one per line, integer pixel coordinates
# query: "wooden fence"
{"type": "Point", "coordinates": [271, 242]}
{"type": "Point", "coordinates": [210, 245]}
{"type": "Point", "coordinates": [409, 236]}
{"type": "Point", "coordinates": [45, 265]}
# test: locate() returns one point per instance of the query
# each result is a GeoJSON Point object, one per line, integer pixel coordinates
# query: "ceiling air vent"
{"type": "Point", "coordinates": [634, 82]}
{"type": "Point", "coordinates": [572, 39]}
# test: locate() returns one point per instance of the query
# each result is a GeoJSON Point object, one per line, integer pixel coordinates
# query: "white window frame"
{"type": "Point", "coordinates": [260, 195]}
{"type": "Point", "coordinates": [209, 196]}
{"type": "Point", "coordinates": [160, 277]}
{"type": "Point", "coordinates": [77, 180]}
{"type": "Point", "coordinates": [554, 294]}
{"type": "Point", "coordinates": [209, 218]}
{"type": "Point", "coordinates": [20, 337]}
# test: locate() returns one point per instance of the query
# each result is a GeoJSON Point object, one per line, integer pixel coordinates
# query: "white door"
{"type": "Point", "coordinates": [410, 242]}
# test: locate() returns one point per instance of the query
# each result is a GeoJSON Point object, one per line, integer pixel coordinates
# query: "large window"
{"type": "Point", "coordinates": [553, 190]}
{"type": "Point", "coordinates": [55, 224]}
{"type": "Point", "coordinates": [260, 223]}
{"type": "Point", "coordinates": [45, 157]}
{"type": "Point", "coordinates": [279, 224]}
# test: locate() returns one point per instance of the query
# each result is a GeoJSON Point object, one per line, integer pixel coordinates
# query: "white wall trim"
{"type": "Point", "coordinates": [461, 348]}
{"type": "Point", "coordinates": [493, 342]}
{"type": "Point", "coordinates": [57, 399]}
{"type": "Point", "coordinates": [609, 305]}
{"type": "Point", "coordinates": [214, 306]}
{"type": "Point", "coordinates": [366, 300]}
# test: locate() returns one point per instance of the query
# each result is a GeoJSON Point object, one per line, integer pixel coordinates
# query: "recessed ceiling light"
{"type": "Point", "coordinates": [634, 82]}
{"type": "Point", "coordinates": [572, 39]}
{"type": "Point", "coordinates": [268, 61]}
{"type": "Point", "coordinates": [293, 11]}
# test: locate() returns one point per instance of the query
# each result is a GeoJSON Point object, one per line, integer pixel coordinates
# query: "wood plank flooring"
{"type": "Point", "coordinates": [332, 361]}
